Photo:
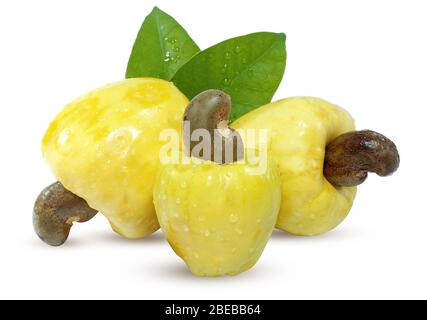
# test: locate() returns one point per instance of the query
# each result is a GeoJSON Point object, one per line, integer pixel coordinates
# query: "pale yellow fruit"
{"type": "Point", "coordinates": [299, 129]}
{"type": "Point", "coordinates": [104, 147]}
{"type": "Point", "coordinates": [217, 218]}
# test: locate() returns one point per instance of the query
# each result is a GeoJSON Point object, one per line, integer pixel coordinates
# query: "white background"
{"type": "Point", "coordinates": [367, 56]}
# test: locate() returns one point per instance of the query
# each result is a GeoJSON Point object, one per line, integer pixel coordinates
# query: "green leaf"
{"type": "Point", "coordinates": [161, 47]}
{"type": "Point", "coordinates": [249, 68]}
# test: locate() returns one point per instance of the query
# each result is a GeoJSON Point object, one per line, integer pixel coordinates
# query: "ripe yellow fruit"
{"type": "Point", "coordinates": [217, 218]}
{"type": "Point", "coordinates": [299, 130]}
{"type": "Point", "coordinates": [104, 147]}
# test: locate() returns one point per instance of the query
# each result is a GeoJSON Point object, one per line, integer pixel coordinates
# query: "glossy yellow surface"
{"type": "Point", "coordinates": [217, 218]}
{"type": "Point", "coordinates": [104, 147]}
{"type": "Point", "coordinates": [299, 129]}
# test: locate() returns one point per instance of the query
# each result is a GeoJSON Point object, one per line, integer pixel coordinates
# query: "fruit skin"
{"type": "Point", "coordinates": [104, 147]}
{"type": "Point", "coordinates": [299, 129]}
{"type": "Point", "coordinates": [217, 218]}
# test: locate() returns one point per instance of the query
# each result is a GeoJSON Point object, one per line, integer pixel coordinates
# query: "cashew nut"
{"type": "Point", "coordinates": [210, 111]}
{"type": "Point", "coordinates": [55, 210]}
{"type": "Point", "coordinates": [352, 155]}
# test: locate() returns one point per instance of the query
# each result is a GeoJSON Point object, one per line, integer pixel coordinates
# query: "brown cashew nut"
{"type": "Point", "coordinates": [55, 210]}
{"type": "Point", "coordinates": [350, 157]}
{"type": "Point", "coordinates": [210, 111]}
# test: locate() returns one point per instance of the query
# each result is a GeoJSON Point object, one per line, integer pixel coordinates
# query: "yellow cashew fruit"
{"type": "Point", "coordinates": [217, 218]}
{"type": "Point", "coordinates": [104, 147]}
{"type": "Point", "coordinates": [298, 131]}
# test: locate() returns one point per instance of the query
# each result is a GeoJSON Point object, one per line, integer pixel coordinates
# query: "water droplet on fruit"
{"type": "Point", "coordinates": [166, 38]}
{"type": "Point", "coordinates": [226, 82]}
{"type": "Point", "coordinates": [244, 61]}
{"type": "Point", "coordinates": [237, 49]}
{"type": "Point", "coordinates": [183, 184]}
{"type": "Point", "coordinates": [118, 142]}
{"type": "Point", "coordinates": [233, 218]}
{"type": "Point", "coordinates": [227, 56]}
{"type": "Point", "coordinates": [176, 49]}
{"type": "Point", "coordinates": [178, 225]}
{"type": "Point", "coordinates": [178, 201]}
{"type": "Point", "coordinates": [239, 231]}
{"type": "Point", "coordinates": [206, 233]}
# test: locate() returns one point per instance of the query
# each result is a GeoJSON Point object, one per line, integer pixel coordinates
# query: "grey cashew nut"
{"type": "Point", "coordinates": [210, 111]}
{"type": "Point", "coordinates": [350, 157]}
{"type": "Point", "coordinates": [55, 210]}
